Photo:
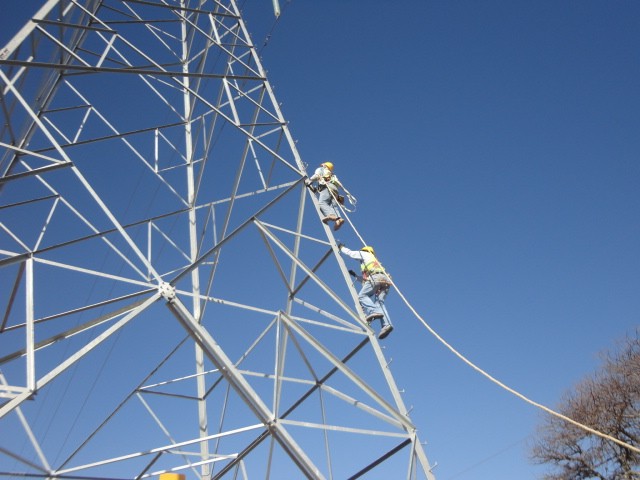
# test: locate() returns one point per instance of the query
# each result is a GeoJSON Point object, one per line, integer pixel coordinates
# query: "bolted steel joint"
{"type": "Point", "coordinates": [168, 291]}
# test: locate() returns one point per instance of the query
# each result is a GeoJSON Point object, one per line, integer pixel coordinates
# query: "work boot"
{"type": "Point", "coordinates": [338, 224]}
{"type": "Point", "coordinates": [329, 218]}
{"type": "Point", "coordinates": [373, 316]}
{"type": "Point", "coordinates": [384, 332]}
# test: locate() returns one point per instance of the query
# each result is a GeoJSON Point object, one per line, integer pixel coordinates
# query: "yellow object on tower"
{"type": "Point", "coordinates": [172, 476]}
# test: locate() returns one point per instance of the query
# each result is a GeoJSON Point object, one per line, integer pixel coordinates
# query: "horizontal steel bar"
{"type": "Point", "coordinates": [136, 71]}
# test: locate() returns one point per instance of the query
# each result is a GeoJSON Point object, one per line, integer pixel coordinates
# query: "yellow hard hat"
{"type": "Point", "coordinates": [329, 165]}
{"type": "Point", "coordinates": [368, 249]}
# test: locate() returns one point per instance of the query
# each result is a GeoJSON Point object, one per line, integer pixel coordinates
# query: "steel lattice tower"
{"type": "Point", "coordinates": [171, 300]}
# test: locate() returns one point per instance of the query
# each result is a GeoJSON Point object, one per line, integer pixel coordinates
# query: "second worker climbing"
{"type": "Point", "coordinates": [329, 193]}
{"type": "Point", "coordinates": [375, 286]}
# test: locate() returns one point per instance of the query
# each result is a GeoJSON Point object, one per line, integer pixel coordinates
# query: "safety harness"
{"type": "Point", "coordinates": [374, 267]}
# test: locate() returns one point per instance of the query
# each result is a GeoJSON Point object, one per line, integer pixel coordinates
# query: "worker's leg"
{"type": "Point", "coordinates": [382, 295]}
{"type": "Point", "coordinates": [333, 204]}
{"type": "Point", "coordinates": [326, 207]}
{"type": "Point", "coordinates": [385, 322]}
{"type": "Point", "coordinates": [366, 298]}
{"type": "Point", "coordinates": [336, 209]}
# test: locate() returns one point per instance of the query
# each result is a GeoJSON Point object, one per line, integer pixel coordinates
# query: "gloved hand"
{"type": "Point", "coordinates": [352, 273]}
{"type": "Point", "coordinates": [340, 245]}
{"type": "Point", "coordinates": [309, 184]}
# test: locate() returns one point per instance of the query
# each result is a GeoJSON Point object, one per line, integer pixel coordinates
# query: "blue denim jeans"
{"type": "Point", "coordinates": [372, 296]}
{"type": "Point", "coordinates": [328, 205]}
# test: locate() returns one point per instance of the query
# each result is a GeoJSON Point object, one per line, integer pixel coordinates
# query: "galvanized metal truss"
{"type": "Point", "coordinates": [147, 175]}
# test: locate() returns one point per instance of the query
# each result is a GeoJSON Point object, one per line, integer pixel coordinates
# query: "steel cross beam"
{"type": "Point", "coordinates": [227, 368]}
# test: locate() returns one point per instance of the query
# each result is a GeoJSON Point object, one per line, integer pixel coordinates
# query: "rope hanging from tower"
{"type": "Point", "coordinates": [486, 374]}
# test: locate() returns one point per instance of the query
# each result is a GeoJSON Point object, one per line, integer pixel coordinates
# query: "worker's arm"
{"type": "Point", "coordinates": [356, 276]}
{"type": "Point", "coordinates": [355, 254]}
{"type": "Point", "coordinates": [315, 177]}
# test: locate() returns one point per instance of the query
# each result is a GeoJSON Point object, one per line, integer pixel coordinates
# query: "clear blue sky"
{"type": "Point", "coordinates": [494, 150]}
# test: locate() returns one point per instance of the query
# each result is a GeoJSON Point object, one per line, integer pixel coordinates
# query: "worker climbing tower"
{"type": "Point", "coordinates": [171, 301]}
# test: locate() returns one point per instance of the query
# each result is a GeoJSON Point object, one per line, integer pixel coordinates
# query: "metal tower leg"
{"type": "Point", "coordinates": [150, 185]}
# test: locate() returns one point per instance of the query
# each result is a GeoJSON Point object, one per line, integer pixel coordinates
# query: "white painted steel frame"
{"type": "Point", "coordinates": [56, 55]}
